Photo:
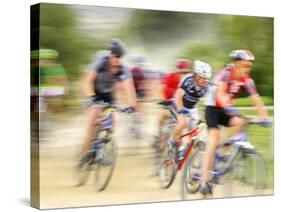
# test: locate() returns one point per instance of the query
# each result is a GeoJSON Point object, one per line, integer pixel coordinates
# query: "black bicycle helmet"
{"type": "Point", "coordinates": [117, 47]}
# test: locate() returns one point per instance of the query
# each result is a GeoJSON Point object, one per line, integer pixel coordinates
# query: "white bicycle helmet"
{"type": "Point", "coordinates": [202, 69]}
{"type": "Point", "coordinates": [242, 54]}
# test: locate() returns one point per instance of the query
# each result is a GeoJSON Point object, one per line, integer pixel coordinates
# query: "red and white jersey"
{"type": "Point", "coordinates": [234, 87]}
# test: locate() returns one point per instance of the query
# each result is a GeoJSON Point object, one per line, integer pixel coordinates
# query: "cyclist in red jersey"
{"type": "Point", "coordinates": [138, 74]}
{"type": "Point", "coordinates": [219, 108]}
{"type": "Point", "coordinates": [168, 87]}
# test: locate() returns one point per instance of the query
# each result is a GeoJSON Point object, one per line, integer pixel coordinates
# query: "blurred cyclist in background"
{"type": "Point", "coordinates": [102, 74]}
{"type": "Point", "coordinates": [34, 81]}
{"type": "Point", "coordinates": [167, 89]}
{"type": "Point", "coordinates": [219, 108]}
{"type": "Point", "coordinates": [191, 88]}
{"type": "Point", "coordinates": [53, 79]}
{"type": "Point", "coordinates": [138, 73]}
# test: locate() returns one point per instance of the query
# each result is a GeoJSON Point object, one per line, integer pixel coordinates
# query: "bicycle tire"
{"type": "Point", "coordinates": [188, 174]}
{"type": "Point", "coordinates": [108, 161]}
{"type": "Point", "coordinates": [248, 174]}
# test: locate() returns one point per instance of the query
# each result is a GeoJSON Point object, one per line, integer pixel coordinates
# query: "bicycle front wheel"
{"type": "Point", "coordinates": [248, 175]}
{"type": "Point", "coordinates": [191, 174]}
{"type": "Point", "coordinates": [104, 168]}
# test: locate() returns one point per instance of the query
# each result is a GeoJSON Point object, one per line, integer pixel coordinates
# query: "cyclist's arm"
{"type": "Point", "coordinates": [259, 104]}
{"type": "Point", "coordinates": [128, 87]}
{"type": "Point", "coordinates": [161, 91]}
{"type": "Point", "coordinates": [179, 98]}
{"type": "Point", "coordinates": [162, 87]}
{"type": "Point", "coordinates": [255, 97]}
{"type": "Point", "coordinates": [89, 84]}
{"type": "Point", "coordinates": [221, 95]}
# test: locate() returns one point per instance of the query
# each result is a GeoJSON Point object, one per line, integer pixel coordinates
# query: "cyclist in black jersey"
{"type": "Point", "coordinates": [191, 88]}
{"type": "Point", "coordinates": [101, 77]}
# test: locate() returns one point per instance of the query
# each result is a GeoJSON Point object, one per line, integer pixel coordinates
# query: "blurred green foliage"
{"type": "Point", "coordinates": [59, 30]}
{"type": "Point", "coordinates": [240, 32]}
{"type": "Point", "coordinates": [217, 36]}
{"type": "Point", "coordinates": [157, 27]}
{"type": "Point", "coordinates": [248, 102]}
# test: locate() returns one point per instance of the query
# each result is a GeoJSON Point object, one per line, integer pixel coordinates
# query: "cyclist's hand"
{"type": "Point", "coordinates": [264, 123]}
{"type": "Point", "coordinates": [184, 111]}
{"type": "Point", "coordinates": [231, 110]}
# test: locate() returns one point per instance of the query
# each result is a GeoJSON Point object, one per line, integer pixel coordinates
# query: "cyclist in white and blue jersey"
{"type": "Point", "coordinates": [191, 88]}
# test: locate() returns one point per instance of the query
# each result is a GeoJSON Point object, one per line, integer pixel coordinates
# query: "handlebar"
{"type": "Point", "coordinates": [250, 120]}
{"type": "Point", "coordinates": [255, 121]}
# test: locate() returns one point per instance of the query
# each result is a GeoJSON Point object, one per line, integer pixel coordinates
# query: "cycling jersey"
{"type": "Point", "coordinates": [234, 87]}
{"type": "Point", "coordinates": [170, 81]}
{"type": "Point", "coordinates": [105, 79]}
{"type": "Point", "coordinates": [139, 78]}
{"type": "Point", "coordinates": [192, 92]}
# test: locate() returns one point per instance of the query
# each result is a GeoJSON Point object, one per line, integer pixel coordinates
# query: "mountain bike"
{"type": "Point", "coordinates": [171, 163]}
{"type": "Point", "coordinates": [237, 166]}
{"type": "Point", "coordinates": [158, 143]}
{"type": "Point", "coordinates": [101, 156]}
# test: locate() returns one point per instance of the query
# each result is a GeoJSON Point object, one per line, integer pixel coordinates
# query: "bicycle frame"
{"type": "Point", "coordinates": [217, 173]}
{"type": "Point", "coordinates": [107, 122]}
{"type": "Point", "coordinates": [218, 159]}
{"type": "Point", "coordinates": [191, 133]}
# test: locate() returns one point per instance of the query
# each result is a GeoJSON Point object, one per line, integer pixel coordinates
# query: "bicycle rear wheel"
{"type": "Point", "coordinates": [104, 168]}
{"type": "Point", "coordinates": [248, 175]}
{"type": "Point", "coordinates": [168, 166]}
{"type": "Point", "coordinates": [191, 174]}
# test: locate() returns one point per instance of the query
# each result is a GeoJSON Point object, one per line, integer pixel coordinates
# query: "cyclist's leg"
{"type": "Point", "coordinates": [238, 125]}
{"type": "Point", "coordinates": [213, 141]}
{"type": "Point", "coordinates": [92, 114]}
{"type": "Point", "coordinates": [212, 120]}
{"type": "Point", "coordinates": [182, 121]}
{"type": "Point", "coordinates": [163, 115]}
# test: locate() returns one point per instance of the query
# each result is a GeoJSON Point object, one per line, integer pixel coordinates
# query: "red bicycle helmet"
{"type": "Point", "coordinates": [183, 64]}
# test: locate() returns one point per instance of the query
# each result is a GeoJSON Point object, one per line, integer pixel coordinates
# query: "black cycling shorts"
{"type": "Point", "coordinates": [216, 116]}
{"type": "Point", "coordinates": [105, 97]}
{"type": "Point", "coordinates": [140, 93]}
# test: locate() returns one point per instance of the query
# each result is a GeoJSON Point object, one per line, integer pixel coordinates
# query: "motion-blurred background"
{"type": "Point", "coordinates": [77, 32]}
